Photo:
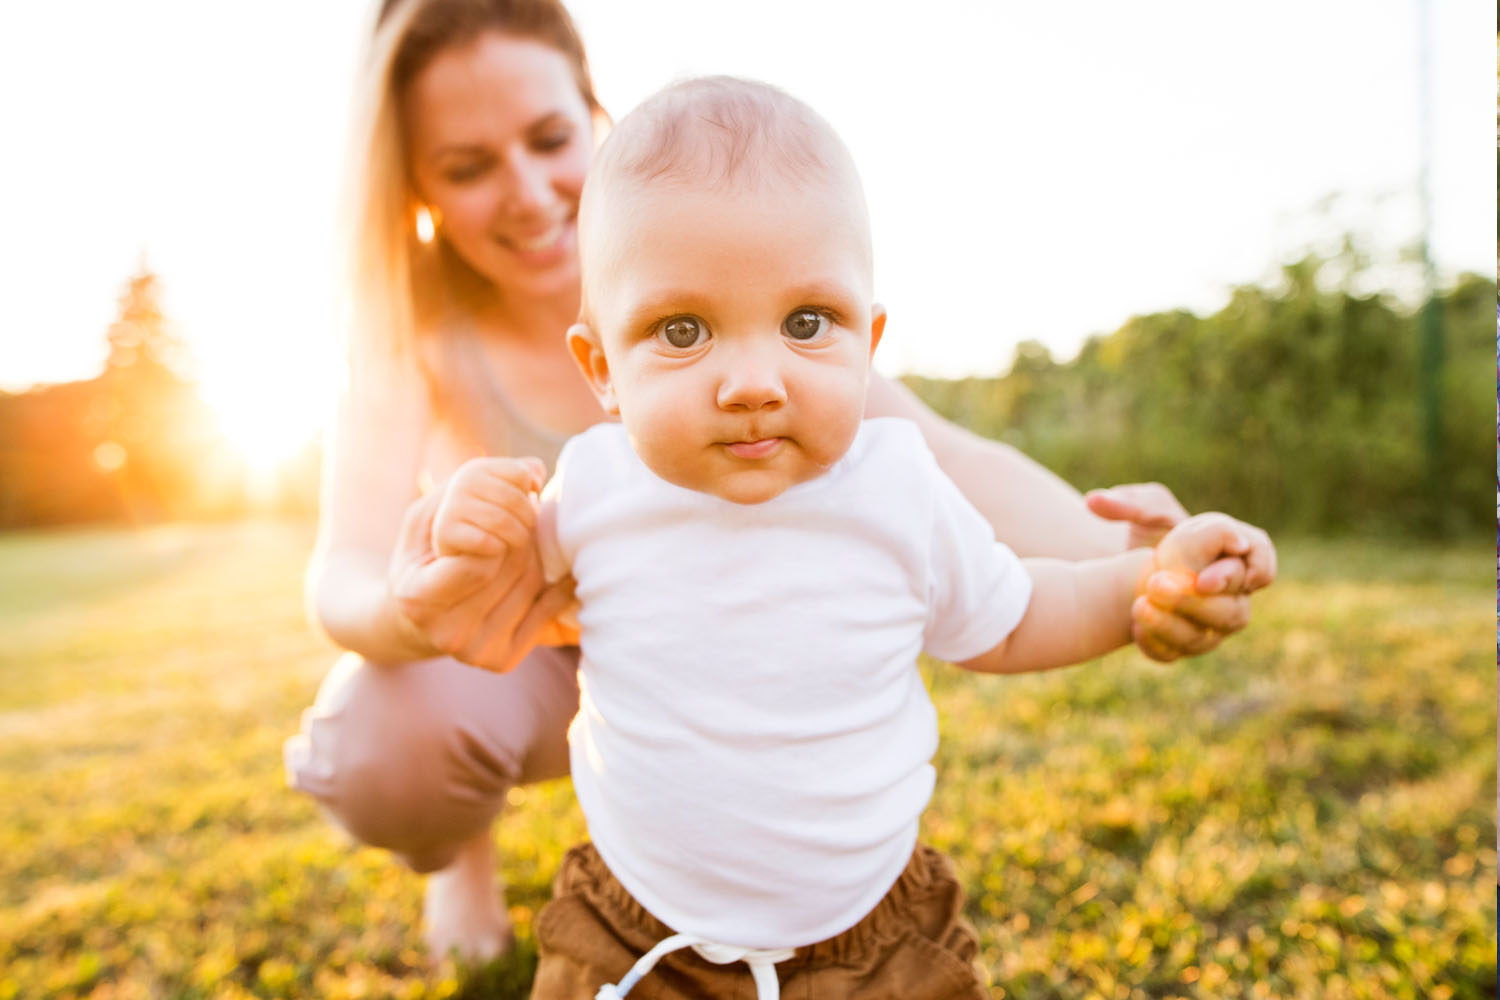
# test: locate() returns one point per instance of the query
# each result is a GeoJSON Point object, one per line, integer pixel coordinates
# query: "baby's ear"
{"type": "Point", "coordinates": [588, 354]}
{"type": "Point", "coordinates": [877, 326]}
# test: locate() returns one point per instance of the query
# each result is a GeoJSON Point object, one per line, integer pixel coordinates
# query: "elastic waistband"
{"type": "Point", "coordinates": [926, 872]}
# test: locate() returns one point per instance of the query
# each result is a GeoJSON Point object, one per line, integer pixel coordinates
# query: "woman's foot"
{"type": "Point", "coordinates": [463, 914]}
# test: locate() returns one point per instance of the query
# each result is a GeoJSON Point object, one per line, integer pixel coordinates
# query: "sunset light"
{"type": "Point", "coordinates": [354, 644]}
{"type": "Point", "coordinates": [268, 418]}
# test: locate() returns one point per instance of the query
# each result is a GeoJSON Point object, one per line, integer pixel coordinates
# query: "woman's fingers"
{"type": "Point", "coordinates": [495, 643]}
{"type": "Point", "coordinates": [463, 627]}
{"type": "Point", "coordinates": [1150, 508]}
{"type": "Point", "coordinates": [466, 570]}
{"type": "Point", "coordinates": [512, 630]}
{"type": "Point", "coordinates": [542, 624]}
{"type": "Point", "coordinates": [445, 581]}
{"type": "Point", "coordinates": [414, 542]}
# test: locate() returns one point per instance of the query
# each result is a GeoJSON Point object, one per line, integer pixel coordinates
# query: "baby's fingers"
{"type": "Point", "coordinates": [1223, 613]}
{"type": "Point", "coordinates": [1260, 560]}
{"type": "Point", "coordinates": [416, 528]}
{"type": "Point", "coordinates": [472, 527]}
{"type": "Point", "coordinates": [1164, 635]}
{"type": "Point", "coordinates": [487, 507]}
{"type": "Point", "coordinates": [1200, 541]}
{"type": "Point", "coordinates": [1223, 576]}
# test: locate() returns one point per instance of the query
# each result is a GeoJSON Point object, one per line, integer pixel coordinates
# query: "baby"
{"type": "Point", "coordinates": [758, 569]}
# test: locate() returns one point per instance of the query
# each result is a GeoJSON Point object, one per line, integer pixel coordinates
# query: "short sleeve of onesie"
{"type": "Point", "coordinates": [977, 588]}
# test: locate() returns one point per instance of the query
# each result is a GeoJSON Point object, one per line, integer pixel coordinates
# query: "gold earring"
{"type": "Point", "coordinates": [426, 223]}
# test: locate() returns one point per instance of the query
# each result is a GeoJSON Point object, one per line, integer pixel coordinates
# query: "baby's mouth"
{"type": "Point", "coordinates": [757, 449]}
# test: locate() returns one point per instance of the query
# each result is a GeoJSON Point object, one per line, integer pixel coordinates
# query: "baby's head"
{"type": "Point", "coordinates": [727, 311]}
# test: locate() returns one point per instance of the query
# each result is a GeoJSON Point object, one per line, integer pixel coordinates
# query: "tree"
{"type": "Point", "coordinates": [152, 428]}
{"type": "Point", "coordinates": [133, 443]}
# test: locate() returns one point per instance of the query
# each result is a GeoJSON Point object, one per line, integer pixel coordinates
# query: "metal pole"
{"type": "Point", "coordinates": [1431, 317]}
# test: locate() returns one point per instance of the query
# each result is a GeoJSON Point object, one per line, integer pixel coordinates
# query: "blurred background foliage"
{"type": "Point", "coordinates": [136, 443]}
{"type": "Point", "coordinates": [1299, 406]}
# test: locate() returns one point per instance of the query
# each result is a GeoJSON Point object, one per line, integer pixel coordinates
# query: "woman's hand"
{"type": "Point", "coordinates": [466, 575]}
{"type": "Point", "coordinates": [1178, 616]}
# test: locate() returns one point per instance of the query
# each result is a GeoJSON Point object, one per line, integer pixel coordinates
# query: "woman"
{"type": "Point", "coordinates": [478, 126]}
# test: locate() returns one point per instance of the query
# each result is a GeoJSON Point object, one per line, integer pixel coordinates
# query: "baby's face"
{"type": "Point", "coordinates": [732, 330]}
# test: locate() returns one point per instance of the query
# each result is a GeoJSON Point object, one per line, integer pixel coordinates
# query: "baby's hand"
{"type": "Point", "coordinates": [1196, 543]}
{"type": "Point", "coordinates": [1196, 590]}
{"type": "Point", "coordinates": [466, 577]}
{"type": "Point", "coordinates": [487, 508]}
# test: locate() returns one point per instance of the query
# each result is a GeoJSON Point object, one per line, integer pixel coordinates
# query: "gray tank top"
{"type": "Point", "coordinates": [482, 404]}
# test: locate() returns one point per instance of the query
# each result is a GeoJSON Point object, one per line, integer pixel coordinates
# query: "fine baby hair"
{"type": "Point", "coordinates": [718, 133]}
{"type": "Point", "coordinates": [721, 130]}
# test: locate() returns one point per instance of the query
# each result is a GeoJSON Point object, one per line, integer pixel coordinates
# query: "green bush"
{"type": "Point", "coordinates": [1298, 407]}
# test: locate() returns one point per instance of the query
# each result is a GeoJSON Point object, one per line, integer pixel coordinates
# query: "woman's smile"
{"type": "Point", "coordinates": [541, 246]}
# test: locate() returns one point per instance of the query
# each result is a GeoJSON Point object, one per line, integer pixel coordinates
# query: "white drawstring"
{"type": "Point", "coordinates": [762, 962]}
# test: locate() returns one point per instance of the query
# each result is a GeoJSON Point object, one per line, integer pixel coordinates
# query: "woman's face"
{"type": "Point", "coordinates": [500, 141]}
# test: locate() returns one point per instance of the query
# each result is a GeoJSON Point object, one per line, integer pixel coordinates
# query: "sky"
{"type": "Point", "coordinates": [1034, 171]}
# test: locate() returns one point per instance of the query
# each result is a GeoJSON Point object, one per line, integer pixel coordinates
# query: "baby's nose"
{"type": "Point", "coordinates": [751, 380]}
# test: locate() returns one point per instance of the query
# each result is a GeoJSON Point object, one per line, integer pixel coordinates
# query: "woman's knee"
{"type": "Point", "coordinates": [384, 750]}
{"type": "Point", "coordinates": [418, 757]}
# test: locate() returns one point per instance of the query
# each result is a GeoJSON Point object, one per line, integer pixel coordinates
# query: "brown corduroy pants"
{"type": "Point", "coordinates": [914, 945]}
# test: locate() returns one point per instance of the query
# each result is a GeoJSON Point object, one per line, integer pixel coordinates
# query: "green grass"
{"type": "Point", "coordinates": [1304, 814]}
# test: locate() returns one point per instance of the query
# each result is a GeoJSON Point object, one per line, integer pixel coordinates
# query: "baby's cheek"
{"type": "Point", "coordinates": [843, 410]}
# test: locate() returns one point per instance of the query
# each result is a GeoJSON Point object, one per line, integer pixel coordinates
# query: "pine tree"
{"type": "Point", "coordinates": [148, 415]}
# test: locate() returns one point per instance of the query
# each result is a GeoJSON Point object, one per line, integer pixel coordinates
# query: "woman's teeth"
{"type": "Point", "coordinates": [543, 241]}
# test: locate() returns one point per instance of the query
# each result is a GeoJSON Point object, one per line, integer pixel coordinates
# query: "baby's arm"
{"type": "Point", "coordinates": [1082, 610]}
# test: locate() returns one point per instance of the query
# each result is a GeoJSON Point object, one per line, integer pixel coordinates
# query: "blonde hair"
{"type": "Point", "coordinates": [398, 286]}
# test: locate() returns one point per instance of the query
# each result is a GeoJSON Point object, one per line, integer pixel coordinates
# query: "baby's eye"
{"type": "Point", "coordinates": [804, 324]}
{"type": "Point", "coordinates": [683, 331]}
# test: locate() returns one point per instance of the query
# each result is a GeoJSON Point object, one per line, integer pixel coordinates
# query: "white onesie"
{"type": "Point", "coordinates": [753, 743]}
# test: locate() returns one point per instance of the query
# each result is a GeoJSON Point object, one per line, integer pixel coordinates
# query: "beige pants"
{"type": "Point", "coordinates": [914, 945]}
{"type": "Point", "coordinates": [417, 757]}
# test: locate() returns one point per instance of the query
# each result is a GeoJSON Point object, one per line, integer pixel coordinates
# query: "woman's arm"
{"type": "Point", "coordinates": [1038, 514]}
{"type": "Point", "coordinates": [370, 469]}
{"type": "Point", "coordinates": [398, 576]}
{"type": "Point", "coordinates": [1033, 511]}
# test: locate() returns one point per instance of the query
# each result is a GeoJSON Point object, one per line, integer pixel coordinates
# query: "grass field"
{"type": "Point", "coordinates": [1306, 814]}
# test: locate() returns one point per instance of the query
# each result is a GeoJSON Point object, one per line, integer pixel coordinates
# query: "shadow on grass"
{"type": "Point", "coordinates": [506, 978]}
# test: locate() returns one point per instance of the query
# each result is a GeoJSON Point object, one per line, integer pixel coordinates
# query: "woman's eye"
{"type": "Point", "coordinates": [682, 332]}
{"type": "Point", "coordinates": [804, 324]}
{"type": "Point", "coordinates": [466, 173]}
{"type": "Point", "coordinates": [552, 141]}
